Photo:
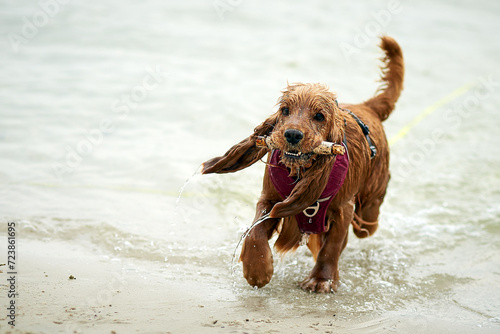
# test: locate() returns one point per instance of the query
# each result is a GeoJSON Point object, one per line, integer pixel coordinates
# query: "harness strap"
{"type": "Point", "coordinates": [313, 218]}
{"type": "Point", "coordinates": [358, 224]}
{"type": "Point", "coordinates": [364, 128]}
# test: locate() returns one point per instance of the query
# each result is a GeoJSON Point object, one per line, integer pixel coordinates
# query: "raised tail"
{"type": "Point", "coordinates": [392, 77]}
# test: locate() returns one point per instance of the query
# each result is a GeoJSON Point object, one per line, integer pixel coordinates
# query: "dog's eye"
{"type": "Point", "coordinates": [319, 117]}
{"type": "Point", "coordinates": [285, 111]}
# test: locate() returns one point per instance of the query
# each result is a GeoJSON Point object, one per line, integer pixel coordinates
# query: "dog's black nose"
{"type": "Point", "coordinates": [293, 136]}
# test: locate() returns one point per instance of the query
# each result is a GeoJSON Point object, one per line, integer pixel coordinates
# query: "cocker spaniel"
{"type": "Point", "coordinates": [327, 168]}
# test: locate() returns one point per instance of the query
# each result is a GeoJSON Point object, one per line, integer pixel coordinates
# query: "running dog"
{"type": "Point", "coordinates": [313, 197]}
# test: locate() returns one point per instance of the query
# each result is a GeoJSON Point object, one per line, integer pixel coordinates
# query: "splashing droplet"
{"type": "Point", "coordinates": [243, 236]}
{"type": "Point", "coordinates": [177, 201]}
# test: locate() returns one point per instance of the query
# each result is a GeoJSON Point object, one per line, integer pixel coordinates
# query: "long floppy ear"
{"type": "Point", "coordinates": [307, 190]}
{"type": "Point", "coordinates": [336, 133]}
{"type": "Point", "coordinates": [243, 154]}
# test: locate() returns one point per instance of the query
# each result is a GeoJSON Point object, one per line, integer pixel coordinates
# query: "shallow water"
{"type": "Point", "coordinates": [106, 111]}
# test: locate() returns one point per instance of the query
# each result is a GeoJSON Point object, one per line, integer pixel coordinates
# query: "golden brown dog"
{"type": "Point", "coordinates": [308, 115]}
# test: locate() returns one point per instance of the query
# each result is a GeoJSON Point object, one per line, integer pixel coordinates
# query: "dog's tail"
{"type": "Point", "coordinates": [392, 77]}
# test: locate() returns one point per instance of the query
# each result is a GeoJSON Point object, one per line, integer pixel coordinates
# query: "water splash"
{"type": "Point", "coordinates": [243, 236]}
{"type": "Point", "coordinates": [181, 190]}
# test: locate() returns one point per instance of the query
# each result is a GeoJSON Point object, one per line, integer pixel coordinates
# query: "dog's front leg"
{"type": "Point", "coordinates": [325, 275]}
{"type": "Point", "coordinates": [256, 254]}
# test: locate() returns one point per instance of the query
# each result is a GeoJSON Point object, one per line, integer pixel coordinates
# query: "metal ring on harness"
{"type": "Point", "coordinates": [314, 207]}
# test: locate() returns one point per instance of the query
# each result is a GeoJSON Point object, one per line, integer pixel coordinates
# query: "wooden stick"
{"type": "Point", "coordinates": [325, 148]}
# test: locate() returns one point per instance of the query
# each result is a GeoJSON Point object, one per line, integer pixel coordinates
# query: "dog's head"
{"type": "Point", "coordinates": [306, 117]}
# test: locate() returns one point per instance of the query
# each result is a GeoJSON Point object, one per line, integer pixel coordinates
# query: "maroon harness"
{"type": "Point", "coordinates": [313, 218]}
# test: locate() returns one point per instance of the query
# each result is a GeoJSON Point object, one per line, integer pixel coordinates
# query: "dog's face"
{"type": "Point", "coordinates": [306, 117]}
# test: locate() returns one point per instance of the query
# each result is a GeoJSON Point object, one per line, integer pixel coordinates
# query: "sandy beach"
{"type": "Point", "coordinates": [118, 296]}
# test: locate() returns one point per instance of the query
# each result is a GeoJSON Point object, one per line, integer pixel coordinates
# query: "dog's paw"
{"type": "Point", "coordinates": [319, 285]}
{"type": "Point", "coordinates": [257, 264]}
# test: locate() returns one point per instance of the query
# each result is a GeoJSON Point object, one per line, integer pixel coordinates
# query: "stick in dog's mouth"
{"type": "Point", "coordinates": [325, 148]}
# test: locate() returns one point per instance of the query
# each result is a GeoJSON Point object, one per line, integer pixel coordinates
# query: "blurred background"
{"type": "Point", "coordinates": [107, 108]}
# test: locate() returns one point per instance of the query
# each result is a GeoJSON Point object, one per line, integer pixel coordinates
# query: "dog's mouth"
{"type": "Point", "coordinates": [294, 158]}
{"type": "Point", "coordinates": [292, 154]}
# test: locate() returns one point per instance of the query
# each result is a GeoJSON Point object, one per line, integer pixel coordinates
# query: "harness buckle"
{"type": "Point", "coordinates": [314, 207]}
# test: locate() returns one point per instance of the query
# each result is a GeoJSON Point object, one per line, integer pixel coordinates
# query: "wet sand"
{"type": "Point", "coordinates": [122, 296]}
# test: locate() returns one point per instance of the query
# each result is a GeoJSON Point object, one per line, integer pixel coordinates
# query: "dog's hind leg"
{"type": "Point", "coordinates": [365, 220]}
{"type": "Point", "coordinates": [366, 224]}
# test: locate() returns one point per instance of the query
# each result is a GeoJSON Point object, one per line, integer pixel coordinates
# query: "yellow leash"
{"type": "Point", "coordinates": [429, 110]}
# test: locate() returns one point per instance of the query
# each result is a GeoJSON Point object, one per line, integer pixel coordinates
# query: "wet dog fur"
{"type": "Point", "coordinates": [307, 115]}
